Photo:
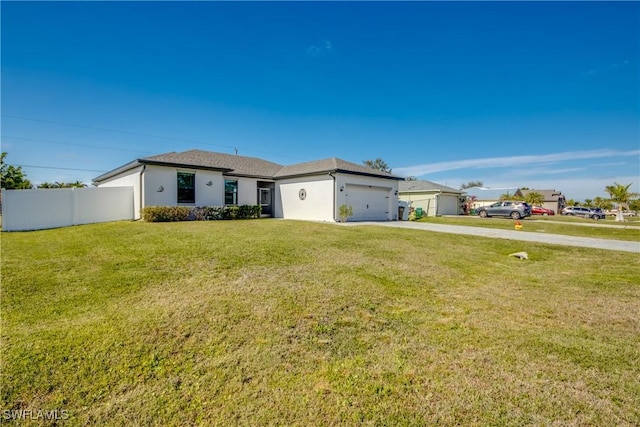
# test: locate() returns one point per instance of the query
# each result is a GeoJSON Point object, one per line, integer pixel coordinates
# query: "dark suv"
{"type": "Point", "coordinates": [513, 209]}
{"type": "Point", "coordinates": [584, 212]}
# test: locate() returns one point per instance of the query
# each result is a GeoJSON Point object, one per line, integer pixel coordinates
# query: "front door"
{"type": "Point", "coordinates": [264, 199]}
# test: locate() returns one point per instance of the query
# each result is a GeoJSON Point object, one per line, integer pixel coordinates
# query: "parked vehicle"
{"type": "Point", "coordinates": [594, 214]}
{"type": "Point", "coordinates": [510, 208]}
{"type": "Point", "coordinates": [614, 212]}
{"type": "Point", "coordinates": [539, 210]}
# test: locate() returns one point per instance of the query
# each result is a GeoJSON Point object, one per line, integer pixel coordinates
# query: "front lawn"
{"type": "Point", "coordinates": [264, 322]}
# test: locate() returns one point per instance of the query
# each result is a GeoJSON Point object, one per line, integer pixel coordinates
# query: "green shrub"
{"type": "Point", "coordinates": [200, 213]}
{"type": "Point", "coordinates": [166, 213]}
{"type": "Point", "coordinates": [208, 213]}
{"type": "Point", "coordinates": [345, 212]}
{"type": "Point", "coordinates": [249, 211]}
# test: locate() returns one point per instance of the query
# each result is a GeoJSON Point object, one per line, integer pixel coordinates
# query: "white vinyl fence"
{"type": "Point", "coordinates": [62, 207]}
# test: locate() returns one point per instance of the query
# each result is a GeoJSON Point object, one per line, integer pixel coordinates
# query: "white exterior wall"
{"type": "Point", "coordinates": [166, 178]}
{"type": "Point", "coordinates": [161, 186]}
{"type": "Point", "coordinates": [129, 179]}
{"type": "Point", "coordinates": [207, 195]}
{"type": "Point", "coordinates": [425, 201]}
{"type": "Point", "coordinates": [247, 190]}
{"type": "Point", "coordinates": [391, 186]}
{"type": "Point", "coordinates": [433, 204]}
{"type": "Point", "coordinates": [61, 207]}
{"type": "Point", "coordinates": [318, 204]}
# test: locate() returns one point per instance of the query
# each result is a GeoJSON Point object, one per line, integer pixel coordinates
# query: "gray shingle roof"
{"type": "Point", "coordinates": [330, 165]}
{"type": "Point", "coordinates": [423, 186]}
{"type": "Point", "coordinates": [232, 164]}
{"type": "Point", "coordinates": [247, 166]}
{"type": "Point", "coordinates": [549, 195]}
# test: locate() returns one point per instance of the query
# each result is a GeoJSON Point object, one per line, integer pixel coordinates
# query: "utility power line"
{"type": "Point", "coordinates": [66, 169]}
{"type": "Point", "coordinates": [73, 143]}
{"type": "Point", "coordinates": [125, 132]}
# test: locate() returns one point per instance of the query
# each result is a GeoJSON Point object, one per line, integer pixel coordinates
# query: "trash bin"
{"type": "Point", "coordinates": [418, 212]}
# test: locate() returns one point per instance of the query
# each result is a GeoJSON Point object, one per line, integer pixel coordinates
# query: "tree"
{"type": "Point", "coordinates": [588, 203]}
{"type": "Point", "coordinates": [621, 196]}
{"type": "Point", "coordinates": [12, 177]}
{"type": "Point", "coordinates": [471, 184]}
{"type": "Point", "coordinates": [603, 204]}
{"type": "Point", "coordinates": [534, 198]}
{"type": "Point", "coordinates": [76, 184]}
{"type": "Point", "coordinates": [506, 196]}
{"type": "Point", "coordinates": [48, 185]}
{"type": "Point", "coordinates": [377, 164]}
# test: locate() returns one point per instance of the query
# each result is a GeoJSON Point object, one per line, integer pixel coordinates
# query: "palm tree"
{"type": "Point", "coordinates": [76, 184]}
{"type": "Point", "coordinates": [601, 203]}
{"type": "Point", "coordinates": [621, 196]}
{"type": "Point", "coordinates": [534, 198]}
{"type": "Point", "coordinates": [47, 185]}
{"type": "Point", "coordinates": [588, 203]}
{"type": "Point", "coordinates": [507, 196]}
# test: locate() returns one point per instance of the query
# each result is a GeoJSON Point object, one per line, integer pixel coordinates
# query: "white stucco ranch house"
{"type": "Point", "coordinates": [310, 191]}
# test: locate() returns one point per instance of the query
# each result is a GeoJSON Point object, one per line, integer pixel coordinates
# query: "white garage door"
{"type": "Point", "coordinates": [368, 203]}
{"type": "Point", "coordinates": [448, 205]}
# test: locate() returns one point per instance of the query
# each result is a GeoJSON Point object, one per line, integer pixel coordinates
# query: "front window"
{"type": "Point", "coordinates": [186, 187]}
{"type": "Point", "coordinates": [230, 192]}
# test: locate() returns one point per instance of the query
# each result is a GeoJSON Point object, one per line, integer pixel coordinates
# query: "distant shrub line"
{"type": "Point", "coordinates": [201, 213]}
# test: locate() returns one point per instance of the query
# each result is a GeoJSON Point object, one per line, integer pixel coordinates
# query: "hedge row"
{"type": "Point", "coordinates": [202, 213]}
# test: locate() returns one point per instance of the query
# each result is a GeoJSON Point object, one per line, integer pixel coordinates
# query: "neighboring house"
{"type": "Point", "coordinates": [434, 199]}
{"type": "Point", "coordinates": [312, 191]}
{"type": "Point", "coordinates": [553, 199]}
{"type": "Point", "coordinates": [487, 196]}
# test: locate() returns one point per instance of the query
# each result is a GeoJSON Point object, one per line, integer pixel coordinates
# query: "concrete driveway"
{"type": "Point", "coordinates": [552, 239]}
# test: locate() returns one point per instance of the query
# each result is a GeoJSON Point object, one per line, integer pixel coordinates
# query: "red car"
{"type": "Point", "coordinates": [539, 210]}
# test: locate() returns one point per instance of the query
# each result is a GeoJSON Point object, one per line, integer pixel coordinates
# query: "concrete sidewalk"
{"type": "Point", "coordinates": [552, 239]}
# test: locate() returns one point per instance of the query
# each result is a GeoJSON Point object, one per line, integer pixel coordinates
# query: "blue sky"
{"type": "Point", "coordinates": [537, 94]}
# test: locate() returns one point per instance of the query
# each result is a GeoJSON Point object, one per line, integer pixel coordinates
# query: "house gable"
{"type": "Point", "coordinates": [331, 165]}
{"type": "Point", "coordinates": [548, 195]}
{"type": "Point", "coordinates": [424, 186]}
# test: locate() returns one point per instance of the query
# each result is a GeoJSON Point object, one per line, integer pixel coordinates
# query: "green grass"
{"type": "Point", "coordinates": [556, 224]}
{"type": "Point", "coordinates": [281, 322]}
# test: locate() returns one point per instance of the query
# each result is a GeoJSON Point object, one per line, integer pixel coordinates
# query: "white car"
{"type": "Point", "coordinates": [614, 212]}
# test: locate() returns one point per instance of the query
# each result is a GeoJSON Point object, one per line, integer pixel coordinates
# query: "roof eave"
{"type": "Point", "coordinates": [183, 165]}
{"type": "Point", "coordinates": [117, 171]}
{"type": "Point", "coordinates": [338, 170]}
{"type": "Point", "coordinates": [245, 175]}
{"type": "Point", "coordinates": [430, 191]}
{"type": "Point", "coordinates": [395, 178]}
